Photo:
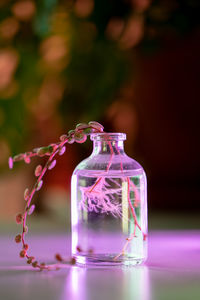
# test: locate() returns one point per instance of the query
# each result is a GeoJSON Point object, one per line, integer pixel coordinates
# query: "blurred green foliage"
{"type": "Point", "coordinates": [70, 58]}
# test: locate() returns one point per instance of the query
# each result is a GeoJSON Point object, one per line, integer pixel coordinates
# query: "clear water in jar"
{"type": "Point", "coordinates": [109, 217]}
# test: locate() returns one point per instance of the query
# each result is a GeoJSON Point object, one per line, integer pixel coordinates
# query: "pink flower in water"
{"type": "Point", "coordinates": [101, 196]}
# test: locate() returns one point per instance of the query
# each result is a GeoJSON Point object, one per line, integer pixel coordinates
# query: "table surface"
{"type": "Point", "coordinates": [172, 271]}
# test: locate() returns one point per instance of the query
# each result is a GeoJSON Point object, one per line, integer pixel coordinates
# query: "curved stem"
{"type": "Point", "coordinates": [80, 136]}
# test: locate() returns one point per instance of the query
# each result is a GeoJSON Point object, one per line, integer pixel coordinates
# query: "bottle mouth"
{"type": "Point", "coordinates": [108, 136]}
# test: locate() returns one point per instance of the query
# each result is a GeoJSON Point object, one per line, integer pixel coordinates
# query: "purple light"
{"type": "Point", "coordinates": [174, 249]}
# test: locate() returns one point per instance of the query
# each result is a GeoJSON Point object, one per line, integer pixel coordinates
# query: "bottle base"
{"type": "Point", "coordinates": [107, 260]}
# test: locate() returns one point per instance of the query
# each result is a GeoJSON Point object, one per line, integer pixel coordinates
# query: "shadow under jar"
{"type": "Point", "coordinates": [109, 205]}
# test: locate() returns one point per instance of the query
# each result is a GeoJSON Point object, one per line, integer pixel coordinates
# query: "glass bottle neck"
{"type": "Point", "coordinates": [108, 147]}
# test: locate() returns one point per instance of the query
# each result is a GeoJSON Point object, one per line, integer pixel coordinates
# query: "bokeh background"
{"type": "Point", "coordinates": [132, 65]}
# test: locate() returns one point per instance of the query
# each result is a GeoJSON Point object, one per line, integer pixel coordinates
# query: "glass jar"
{"type": "Point", "coordinates": [109, 205]}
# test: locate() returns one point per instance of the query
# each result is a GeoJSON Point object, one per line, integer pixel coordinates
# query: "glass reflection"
{"type": "Point", "coordinates": [107, 283]}
{"type": "Point", "coordinates": [136, 283]}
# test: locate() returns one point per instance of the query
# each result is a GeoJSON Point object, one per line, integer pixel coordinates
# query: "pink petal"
{"type": "Point", "coordinates": [38, 170]}
{"type": "Point", "coordinates": [62, 150]}
{"type": "Point", "coordinates": [39, 185]}
{"type": "Point", "coordinates": [31, 209]}
{"type": "Point", "coordinates": [26, 194]}
{"type": "Point", "coordinates": [52, 165]}
{"type": "Point", "coordinates": [27, 160]}
{"type": "Point", "coordinates": [10, 163]}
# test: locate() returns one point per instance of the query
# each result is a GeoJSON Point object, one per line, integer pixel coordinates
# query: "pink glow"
{"type": "Point", "coordinates": [174, 262]}
{"type": "Point", "coordinates": [167, 249]}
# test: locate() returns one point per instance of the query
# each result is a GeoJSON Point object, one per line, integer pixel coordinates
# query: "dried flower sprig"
{"type": "Point", "coordinates": [103, 203]}
{"type": "Point", "coordinates": [79, 135]}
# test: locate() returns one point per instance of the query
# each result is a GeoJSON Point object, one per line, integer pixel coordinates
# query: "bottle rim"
{"type": "Point", "coordinates": [108, 136]}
